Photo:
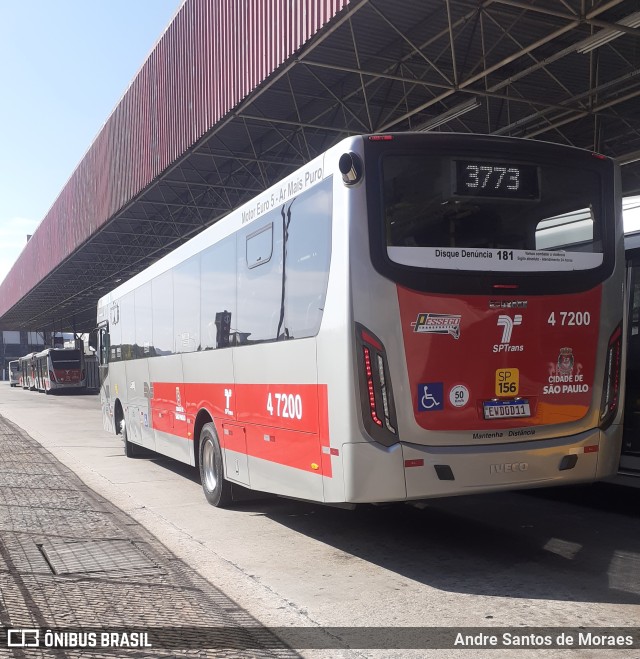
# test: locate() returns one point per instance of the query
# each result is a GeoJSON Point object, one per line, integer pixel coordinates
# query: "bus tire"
{"type": "Point", "coordinates": [217, 489]}
{"type": "Point", "coordinates": [131, 450]}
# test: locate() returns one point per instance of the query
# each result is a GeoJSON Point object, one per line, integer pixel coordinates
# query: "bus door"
{"type": "Point", "coordinates": [630, 459]}
{"type": "Point", "coordinates": [99, 340]}
{"type": "Point", "coordinates": [41, 373]}
{"type": "Point", "coordinates": [138, 409]}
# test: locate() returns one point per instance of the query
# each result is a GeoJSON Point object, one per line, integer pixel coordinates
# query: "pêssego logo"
{"type": "Point", "coordinates": [437, 323]}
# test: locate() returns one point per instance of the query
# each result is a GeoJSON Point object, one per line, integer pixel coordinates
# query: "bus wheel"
{"type": "Point", "coordinates": [216, 488]}
{"type": "Point", "coordinates": [130, 450]}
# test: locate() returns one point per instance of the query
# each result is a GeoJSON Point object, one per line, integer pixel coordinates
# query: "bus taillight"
{"type": "Point", "coordinates": [611, 386]}
{"type": "Point", "coordinates": [376, 396]}
{"type": "Point", "coordinates": [52, 376]}
{"type": "Point", "coordinates": [368, 370]}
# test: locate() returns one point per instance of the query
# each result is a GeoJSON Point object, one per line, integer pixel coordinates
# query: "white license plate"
{"type": "Point", "coordinates": [506, 409]}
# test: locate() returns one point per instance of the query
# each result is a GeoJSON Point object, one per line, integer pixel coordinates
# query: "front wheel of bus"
{"type": "Point", "coordinates": [130, 450]}
{"type": "Point", "coordinates": [217, 490]}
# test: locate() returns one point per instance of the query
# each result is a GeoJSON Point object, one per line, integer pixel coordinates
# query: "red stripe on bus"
{"type": "Point", "coordinates": [287, 424]}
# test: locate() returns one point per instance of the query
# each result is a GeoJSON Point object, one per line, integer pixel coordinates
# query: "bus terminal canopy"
{"type": "Point", "coordinates": [237, 95]}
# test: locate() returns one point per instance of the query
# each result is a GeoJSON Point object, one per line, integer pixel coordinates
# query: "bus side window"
{"type": "Point", "coordinates": [162, 313]}
{"type": "Point", "coordinates": [186, 305]}
{"type": "Point", "coordinates": [260, 281]}
{"type": "Point", "coordinates": [128, 326]}
{"type": "Point", "coordinates": [218, 295]}
{"type": "Point", "coordinates": [308, 254]}
{"type": "Point", "coordinates": [283, 273]}
{"type": "Point", "coordinates": [144, 339]}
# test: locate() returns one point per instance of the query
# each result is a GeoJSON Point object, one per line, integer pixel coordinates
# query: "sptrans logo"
{"type": "Point", "coordinates": [508, 323]}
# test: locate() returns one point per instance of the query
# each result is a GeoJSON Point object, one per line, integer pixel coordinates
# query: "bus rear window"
{"type": "Point", "coordinates": [463, 214]}
{"type": "Point", "coordinates": [65, 357]}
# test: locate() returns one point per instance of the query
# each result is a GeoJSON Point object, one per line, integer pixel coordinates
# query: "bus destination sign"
{"type": "Point", "coordinates": [503, 180]}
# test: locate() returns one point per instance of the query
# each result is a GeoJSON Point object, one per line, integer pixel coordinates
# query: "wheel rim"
{"type": "Point", "coordinates": [209, 466]}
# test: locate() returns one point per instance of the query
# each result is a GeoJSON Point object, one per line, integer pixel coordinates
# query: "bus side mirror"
{"type": "Point", "coordinates": [350, 167]}
{"type": "Point", "coordinates": [93, 340]}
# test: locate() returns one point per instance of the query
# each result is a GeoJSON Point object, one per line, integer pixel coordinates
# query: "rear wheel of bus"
{"type": "Point", "coordinates": [216, 488]}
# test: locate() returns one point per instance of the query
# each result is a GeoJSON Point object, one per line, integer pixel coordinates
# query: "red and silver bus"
{"type": "Point", "coordinates": [59, 369]}
{"type": "Point", "coordinates": [28, 371]}
{"type": "Point", "coordinates": [407, 316]}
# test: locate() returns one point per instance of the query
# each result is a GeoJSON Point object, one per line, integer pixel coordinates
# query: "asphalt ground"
{"type": "Point", "coordinates": [560, 559]}
{"type": "Point", "coordinates": [75, 565]}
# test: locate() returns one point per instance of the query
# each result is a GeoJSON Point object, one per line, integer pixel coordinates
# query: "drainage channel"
{"type": "Point", "coordinates": [74, 568]}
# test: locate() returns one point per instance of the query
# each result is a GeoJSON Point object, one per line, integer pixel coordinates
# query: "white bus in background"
{"type": "Point", "coordinates": [407, 316]}
{"type": "Point", "coordinates": [14, 373]}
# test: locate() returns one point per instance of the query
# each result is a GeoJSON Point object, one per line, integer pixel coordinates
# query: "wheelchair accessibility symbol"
{"type": "Point", "coordinates": [430, 397]}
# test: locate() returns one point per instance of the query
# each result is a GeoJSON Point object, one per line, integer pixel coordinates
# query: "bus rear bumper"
{"type": "Point", "coordinates": [412, 471]}
{"type": "Point", "coordinates": [54, 386]}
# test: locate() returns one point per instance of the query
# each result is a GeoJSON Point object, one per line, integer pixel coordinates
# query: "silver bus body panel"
{"type": "Point", "coordinates": [335, 342]}
{"type": "Point", "coordinates": [267, 476]}
{"type": "Point", "coordinates": [476, 469]}
{"type": "Point", "coordinates": [373, 473]}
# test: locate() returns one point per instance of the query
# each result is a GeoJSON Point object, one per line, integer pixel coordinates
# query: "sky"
{"type": "Point", "coordinates": [64, 65]}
